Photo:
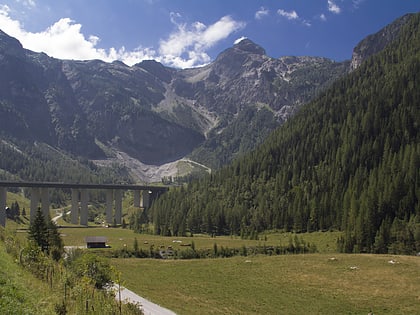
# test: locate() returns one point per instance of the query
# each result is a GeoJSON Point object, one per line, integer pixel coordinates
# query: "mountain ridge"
{"type": "Point", "coordinates": [156, 114]}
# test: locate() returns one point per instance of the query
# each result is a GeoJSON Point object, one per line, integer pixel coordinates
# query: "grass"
{"type": "Point", "coordinates": [119, 238]}
{"type": "Point", "coordinates": [20, 291]}
{"type": "Point", "coordinates": [290, 284]}
{"type": "Point", "coordinates": [293, 284]}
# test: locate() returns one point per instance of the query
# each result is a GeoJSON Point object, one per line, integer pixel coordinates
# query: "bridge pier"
{"type": "Point", "coordinates": [74, 215]}
{"type": "Point", "coordinates": [3, 197]}
{"type": "Point", "coordinates": [118, 205]}
{"type": "Point", "coordinates": [84, 199]}
{"type": "Point", "coordinates": [45, 202]}
{"type": "Point", "coordinates": [136, 197]}
{"type": "Point", "coordinates": [145, 200]}
{"type": "Point", "coordinates": [109, 204]}
{"type": "Point", "coordinates": [34, 203]}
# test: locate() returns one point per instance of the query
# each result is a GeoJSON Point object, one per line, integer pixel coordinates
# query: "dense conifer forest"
{"type": "Point", "coordinates": [349, 161]}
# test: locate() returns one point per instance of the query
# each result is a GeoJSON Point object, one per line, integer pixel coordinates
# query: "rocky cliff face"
{"type": "Point", "coordinates": [157, 114]}
{"type": "Point", "coordinates": [154, 113]}
{"type": "Point", "coordinates": [374, 43]}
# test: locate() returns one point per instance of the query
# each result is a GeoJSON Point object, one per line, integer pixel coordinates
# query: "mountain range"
{"type": "Point", "coordinates": [347, 161]}
{"type": "Point", "coordinates": [146, 116]}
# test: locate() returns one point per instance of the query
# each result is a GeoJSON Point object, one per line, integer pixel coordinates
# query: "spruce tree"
{"type": "Point", "coordinates": [55, 243]}
{"type": "Point", "coordinates": [44, 233]}
{"type": "Point", "coordinates": [38, 231]}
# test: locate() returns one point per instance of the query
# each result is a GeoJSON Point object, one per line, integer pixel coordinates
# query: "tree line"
{"type": "Point", "coordinates": [347, 161]}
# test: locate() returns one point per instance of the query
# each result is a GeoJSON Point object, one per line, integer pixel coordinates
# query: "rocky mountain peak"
{"type": "Point", "coordinates": [157, 69]}
{"type": "Point", "coordinates": [241, 51]}
{"type": "Point", "coordinates": [248, 45]}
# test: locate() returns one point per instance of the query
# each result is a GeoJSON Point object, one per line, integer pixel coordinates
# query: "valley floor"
{"type": "Point", "coordinates": [289, 284]}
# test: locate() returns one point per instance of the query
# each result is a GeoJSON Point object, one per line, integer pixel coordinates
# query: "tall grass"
{"type": "Point", "coordinates": [20, 291]}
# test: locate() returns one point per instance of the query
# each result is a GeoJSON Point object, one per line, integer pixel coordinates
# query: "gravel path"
{"type": "Point", "coordinates": [149, 308]}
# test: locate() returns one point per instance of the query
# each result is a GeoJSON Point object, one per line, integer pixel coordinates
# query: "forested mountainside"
{"type": "Point", "coordinates": [349, 161]}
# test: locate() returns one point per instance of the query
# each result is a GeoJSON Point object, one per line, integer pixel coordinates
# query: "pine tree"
{"type": "Point", "coordinates": [38, 231]}
{"type": "Point", "coordinates": [55, 243]}
{"type": "Point", "coordinates": [45, 234]}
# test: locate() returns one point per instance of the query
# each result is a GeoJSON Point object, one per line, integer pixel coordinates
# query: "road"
{"type": "Point", "coordinates": [148, 307]}
{"type": "Point", "coordinates": [55, 219]}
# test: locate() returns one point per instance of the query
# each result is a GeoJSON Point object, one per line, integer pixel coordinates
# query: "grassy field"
{"type": "Point", "coordinates": [288, 284]}
{"type": "Point", "coordinates": [292, 284]}
{"type": "Point", "coordinates": [118, 238]}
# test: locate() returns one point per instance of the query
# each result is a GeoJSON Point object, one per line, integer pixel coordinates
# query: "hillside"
{"type": "Point", "coordinates": [102, 112]}
{"type": "Point", "coordinates": [20, 289]}
{"type": "Point", "coordinates": [347, 161]}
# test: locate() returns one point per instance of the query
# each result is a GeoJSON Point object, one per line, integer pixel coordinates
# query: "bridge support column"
{"type": "Point", "coordinates": [3, 197]}
{"type": "Point", "coordinates": [145, 199]}
{"type": "Point", "coordinates": [45, 202]}
{"type": "Point", "coordinates": [118, 206]}
{"type": "Point", "coordinates": [74, 206]}
{"type": "Point", "coordinates": [109, 202]}
{"type": "Point", "coordinates": [136, 197]}
{"type": "Point", "coordinates": [34, 202]}
{"type": "Point", "coordinates": [84, 207]}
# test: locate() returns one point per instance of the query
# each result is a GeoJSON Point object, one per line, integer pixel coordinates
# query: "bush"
{"type": "Point", "coordinates": [95, 268]}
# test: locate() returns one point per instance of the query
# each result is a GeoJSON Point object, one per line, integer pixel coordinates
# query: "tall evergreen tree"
{"type": "Point", "coordinates": [38, 231]}
{"type": "Point", "coordinates": [44, 233]}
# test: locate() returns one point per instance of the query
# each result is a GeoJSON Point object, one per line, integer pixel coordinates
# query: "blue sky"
{"type": "Point", "coordinates": [190, 33]}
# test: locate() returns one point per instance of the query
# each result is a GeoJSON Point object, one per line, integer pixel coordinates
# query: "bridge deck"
{"type": "Point", "coordinates": [82, 186]}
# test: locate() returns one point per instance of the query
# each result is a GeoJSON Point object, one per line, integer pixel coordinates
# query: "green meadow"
{"type": "Point", "coordinates": [118, 238]}
{"type": "Point", "coordinates": [320, 283]}
{"type": "Point", "coordinates": [289, 284]}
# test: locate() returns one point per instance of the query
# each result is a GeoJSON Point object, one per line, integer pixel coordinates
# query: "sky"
{"type": "Point", "coordinates": [191, 33]}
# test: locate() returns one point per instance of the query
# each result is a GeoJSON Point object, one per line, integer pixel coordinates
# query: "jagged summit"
{"type": "Point", "coordinates": [249, 46]}
{"type": "Point", "coordinates": [237, 55]}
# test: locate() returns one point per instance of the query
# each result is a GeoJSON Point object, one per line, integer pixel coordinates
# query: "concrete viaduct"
{"type": "Point", "coordinates": [143, 195]}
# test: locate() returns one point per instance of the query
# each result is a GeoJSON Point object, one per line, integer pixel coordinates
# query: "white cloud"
{"type": "Point", "coordinates": [290, 15]}
{"type": "Point", "coordinates": [334, 8]}
{"type": "Point", "coordinates": [322, 17]}
{"type": "Point", "coordinates": [262, 12]}
{"type": "Point", "coordinates": [306, 23]}
{"type": "Point", "coordinates": [185, 47]}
